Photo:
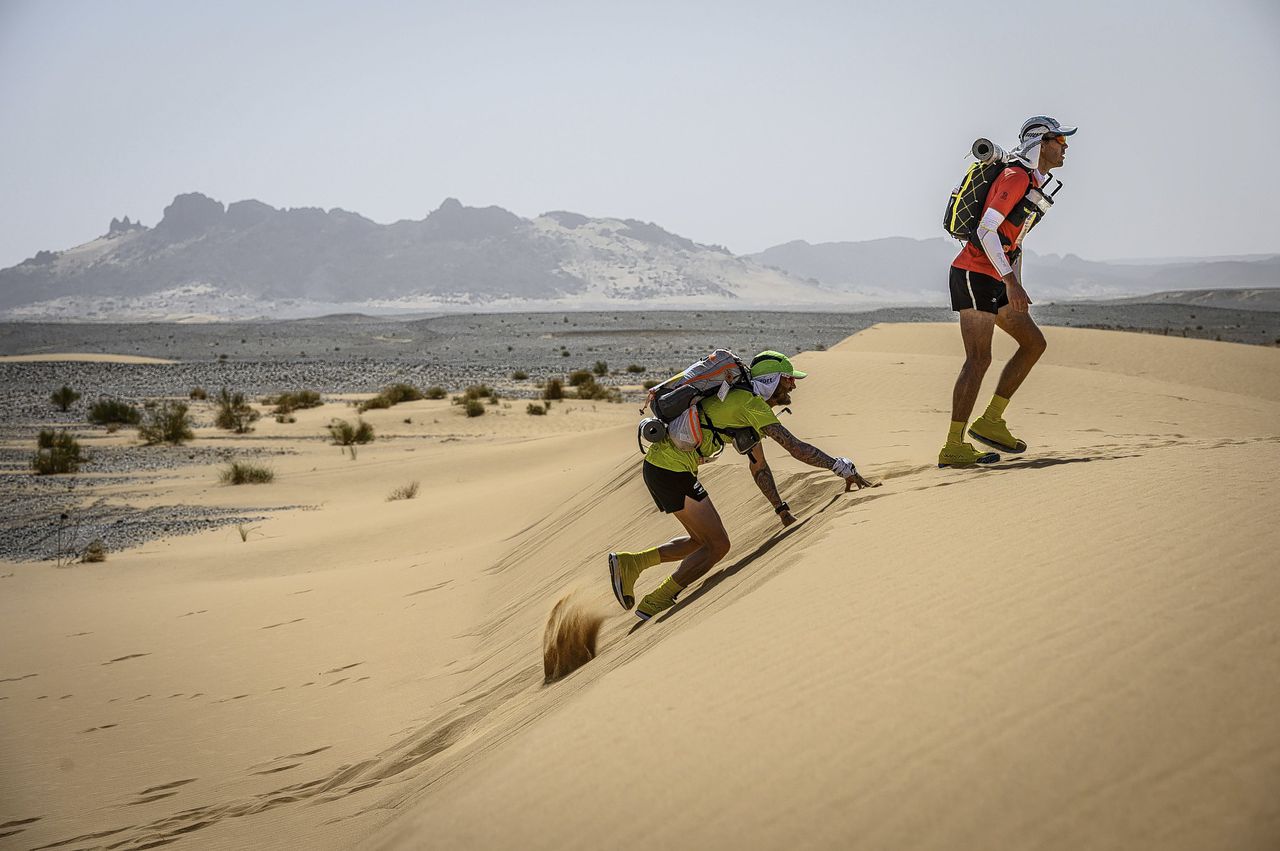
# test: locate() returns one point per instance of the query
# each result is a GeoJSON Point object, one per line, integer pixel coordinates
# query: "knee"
{"type": "Point", "coordinates": [1036, 345]}
{"type": "Point", "coordinates": [978, 362]}
{"type": "Point", "coordinates": [717, 546]}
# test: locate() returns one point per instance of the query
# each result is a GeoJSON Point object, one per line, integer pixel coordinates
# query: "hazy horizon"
{"type": "Point", "coordinates": [740, 125]}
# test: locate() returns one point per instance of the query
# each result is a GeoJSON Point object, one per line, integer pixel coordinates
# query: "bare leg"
{"type": "Point", "coordinates": [976, 328]}
{"type": "Point", "coordinates": [677, 548]}
{"type": "Point", "coordinates": [1031, 345]}
{"type": "Point", "coordinates": [706, 530]}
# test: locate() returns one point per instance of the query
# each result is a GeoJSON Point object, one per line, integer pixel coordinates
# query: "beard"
{"type": "Point", "coordinates": [780, 397]}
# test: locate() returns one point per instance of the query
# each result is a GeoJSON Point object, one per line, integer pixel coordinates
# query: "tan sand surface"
{"type": "Point", "coordinates": [1078, 648]}
{"type": "Point", "coordinates": [84, 357]}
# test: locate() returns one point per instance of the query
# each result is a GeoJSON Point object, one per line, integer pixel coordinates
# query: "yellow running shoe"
{"type": "Point", "coordinates": [996, 434]}
{"type": "Point", "coordinates": [658, 600]}
{"type": "Point", "coordinates": [964, 455]}
{"type": "Point", "coordinates": [624, 568]}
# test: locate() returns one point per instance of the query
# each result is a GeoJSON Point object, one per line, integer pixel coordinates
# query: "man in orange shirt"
{"type": "Point", "coordinates": [987, 291]}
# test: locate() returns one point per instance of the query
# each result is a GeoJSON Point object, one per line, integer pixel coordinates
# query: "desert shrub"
{"type": "Point", "coordinates": [579, 377]}
{"type": "Point", "coordinates": [408, 491]}
{"type": "Point", "coordinates": [519, 375]}
{"type": "Point", "coordinates": [435, 391]}
{"type": "Point", "coordinates": [650, 383]}
{"type": "Point", "coordinates": [553, 390]}
{"type": "Point", "coordinates": [474, 408]}
{"type": "Point", "coordinates": [591, 390]}
{"type": "Point", "coordinates": [114, 411]}
{"type": "Point", "coordinates": [198, 393]}
{"type": "Point", "coordinates": [600, 368]}
{"type": "Point", "coordinates": [95, 552]}
{"type": "Point", "coordinates": [287, 403]}
{"type": "Point", "coordinates": [56, 452]}
{"type": "Point", "coordinates": [64, 397]}
{"type": "Point", "coordinates": [241, 473]}
{"type": "Point", "coordinates": [374, 403]}
{"type": "Point", "coordinates": [565, 353]}
{"type": "Point", "coordinates": [166, 423]}
{"type": "Point", "coordinates": [346, 434]}
{"type": "Point", "coordinates": [635, 367]}
{"type": "Point", "coordinates": [536, 410]}
{"type": "Point", "coordinates": [234, 413]}
{"type": "Point", "coordinates": [393, 394]}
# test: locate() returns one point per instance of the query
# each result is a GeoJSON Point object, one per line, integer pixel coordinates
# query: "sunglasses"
{"type": "Point", "coordinates": [1057, 137]}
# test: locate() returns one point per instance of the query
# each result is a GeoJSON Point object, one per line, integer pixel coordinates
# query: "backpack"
{"type": "Point", "coordinates": [674, 403]}
{"type": "Point", "coordinates": [969, 199]}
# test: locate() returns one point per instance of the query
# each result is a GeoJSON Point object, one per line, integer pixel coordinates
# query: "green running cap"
{"type": "Point", "coordinates": [767, 363]}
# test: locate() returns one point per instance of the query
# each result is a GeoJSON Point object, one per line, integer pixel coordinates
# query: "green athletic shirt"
{"type": "Point", "coordinates": [740, 409]}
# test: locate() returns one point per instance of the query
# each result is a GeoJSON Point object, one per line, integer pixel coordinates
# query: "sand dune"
{"type": "Point", "coordinates": [1076, 649]}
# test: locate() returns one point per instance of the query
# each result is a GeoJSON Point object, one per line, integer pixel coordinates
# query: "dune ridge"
{"type": "Point", "coordinates": [1076, 648]}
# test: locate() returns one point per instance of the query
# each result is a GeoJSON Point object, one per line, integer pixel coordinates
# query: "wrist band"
{"type": "Point", "coordinates": [782, 508]}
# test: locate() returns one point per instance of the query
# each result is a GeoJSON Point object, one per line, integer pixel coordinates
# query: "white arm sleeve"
{"type": "Point", "coordinates": [989, 237]}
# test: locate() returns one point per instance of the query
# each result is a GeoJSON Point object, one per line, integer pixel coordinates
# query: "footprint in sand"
{"type": "Point", "coordinates": [12, 828]}
{"type": "Point", "coordinates": [343, 668]}
{"type": "Point", "coordinates": [18, 679]}
{"type": "Point", "coordinates": [102, 727]}
{"type": "Point", "coordinates": [284, 623]}
{"type": "Point", "coordinates": [126, 658]}
{"type": "Point", "coordinates": [189, 614]}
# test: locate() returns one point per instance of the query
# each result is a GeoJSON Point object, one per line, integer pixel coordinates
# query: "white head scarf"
{"type": "Point", "coordinates": [766, 384]}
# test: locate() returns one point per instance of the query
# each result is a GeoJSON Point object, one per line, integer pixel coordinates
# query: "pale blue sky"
{"type": "Point", "coordinates": [745, 124]}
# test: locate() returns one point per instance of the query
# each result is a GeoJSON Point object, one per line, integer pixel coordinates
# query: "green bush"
{"type": "Point", "coordinates": [56, 452]}
{"type": "Point", "coordinates": [393, 394]}
{"type": "Point", "coordinates": [601, 368]}
{"type": "Point", "coordinates": [374, 403]}
{"type": "Point", "coordinates": [474, 408]}
{"type": "Point", "coordinates": [345, 434]}
{"type": "Point", "coordinates": [435, 391]}
{"type": "Point", "coordinates": [519, 375]}
{"type": "Point", "coordinates": [536, 410]}
{"type": "Point", "coordinates": [579, 377]}
{"type": "Point", "coordinates": [114, 412]}
{"type": "Point", "coordinates": [650, 383]}
{"type": "Point", "coordinates": [287, 403]}
{"type": "Point", "coordinates": [635, 367]}
{"type": "Point", "coordinates": [166, 423]}
{"type": "Point", "coordinates": [553, 390]}
{"type": "Point", "coordinates": [240, 473]}
{"type": "Point", "coordinates": [64, 397]}
{"type": "Point", "coordinates": [591, 390]}
{"type": "Point", "coordinates": [234, 413]}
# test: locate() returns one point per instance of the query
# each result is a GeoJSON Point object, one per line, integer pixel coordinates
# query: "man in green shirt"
{"type": "Point", "coordinates": [672, 478]}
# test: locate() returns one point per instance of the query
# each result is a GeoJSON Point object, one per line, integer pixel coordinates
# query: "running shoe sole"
{"type": "Point", "coordinates": [615, 579]}
{"type": "Point", "coordinates": [988, 458]}
{"type": "Point", "coordinates": [1020, 446]}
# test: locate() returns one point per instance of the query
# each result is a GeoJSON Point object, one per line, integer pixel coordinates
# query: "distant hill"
{"type": "Point", "coordinates": [204, 260]}
{"type": "Point", "coordinates": [913, 271]}
{"type": "Point", "coordinates": [1231, 299]}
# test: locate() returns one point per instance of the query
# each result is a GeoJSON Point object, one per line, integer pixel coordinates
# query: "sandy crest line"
{"type": "Point", "coordinates": [80, 357]}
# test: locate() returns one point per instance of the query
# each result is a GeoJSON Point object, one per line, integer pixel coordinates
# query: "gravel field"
{"type": "Point", "coordinates": [360, 354]}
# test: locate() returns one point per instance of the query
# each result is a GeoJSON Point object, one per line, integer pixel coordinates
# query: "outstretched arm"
{"type": "Point", "coordinates": [815, 457]}
{"type": "Point", "coordinates": [764, 480]}
{"type": "Point", "coordinates": [801, 451]}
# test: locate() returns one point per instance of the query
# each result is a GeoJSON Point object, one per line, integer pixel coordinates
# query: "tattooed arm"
{"type": "Point", "coordinates": [814, 456]}
{"type": "Point", "coordinates": [801, 451]}
{"type": "Point", "coordinates": [764, 480]}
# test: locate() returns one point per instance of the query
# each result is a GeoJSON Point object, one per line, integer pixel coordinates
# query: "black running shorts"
{"type": "Point", "coordinates": [669, 488]}
{"type": "Point", "coordinates": [976, 290]}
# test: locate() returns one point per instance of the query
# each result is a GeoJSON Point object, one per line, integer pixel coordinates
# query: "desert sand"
{"type": "Point", "coordinates": [1077, 648]}
{"type": "Point", "coordinates": [81, 357]}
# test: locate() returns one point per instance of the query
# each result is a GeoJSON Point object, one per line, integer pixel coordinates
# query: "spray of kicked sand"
{"type": "Point", "coordinates": [570, 639]}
